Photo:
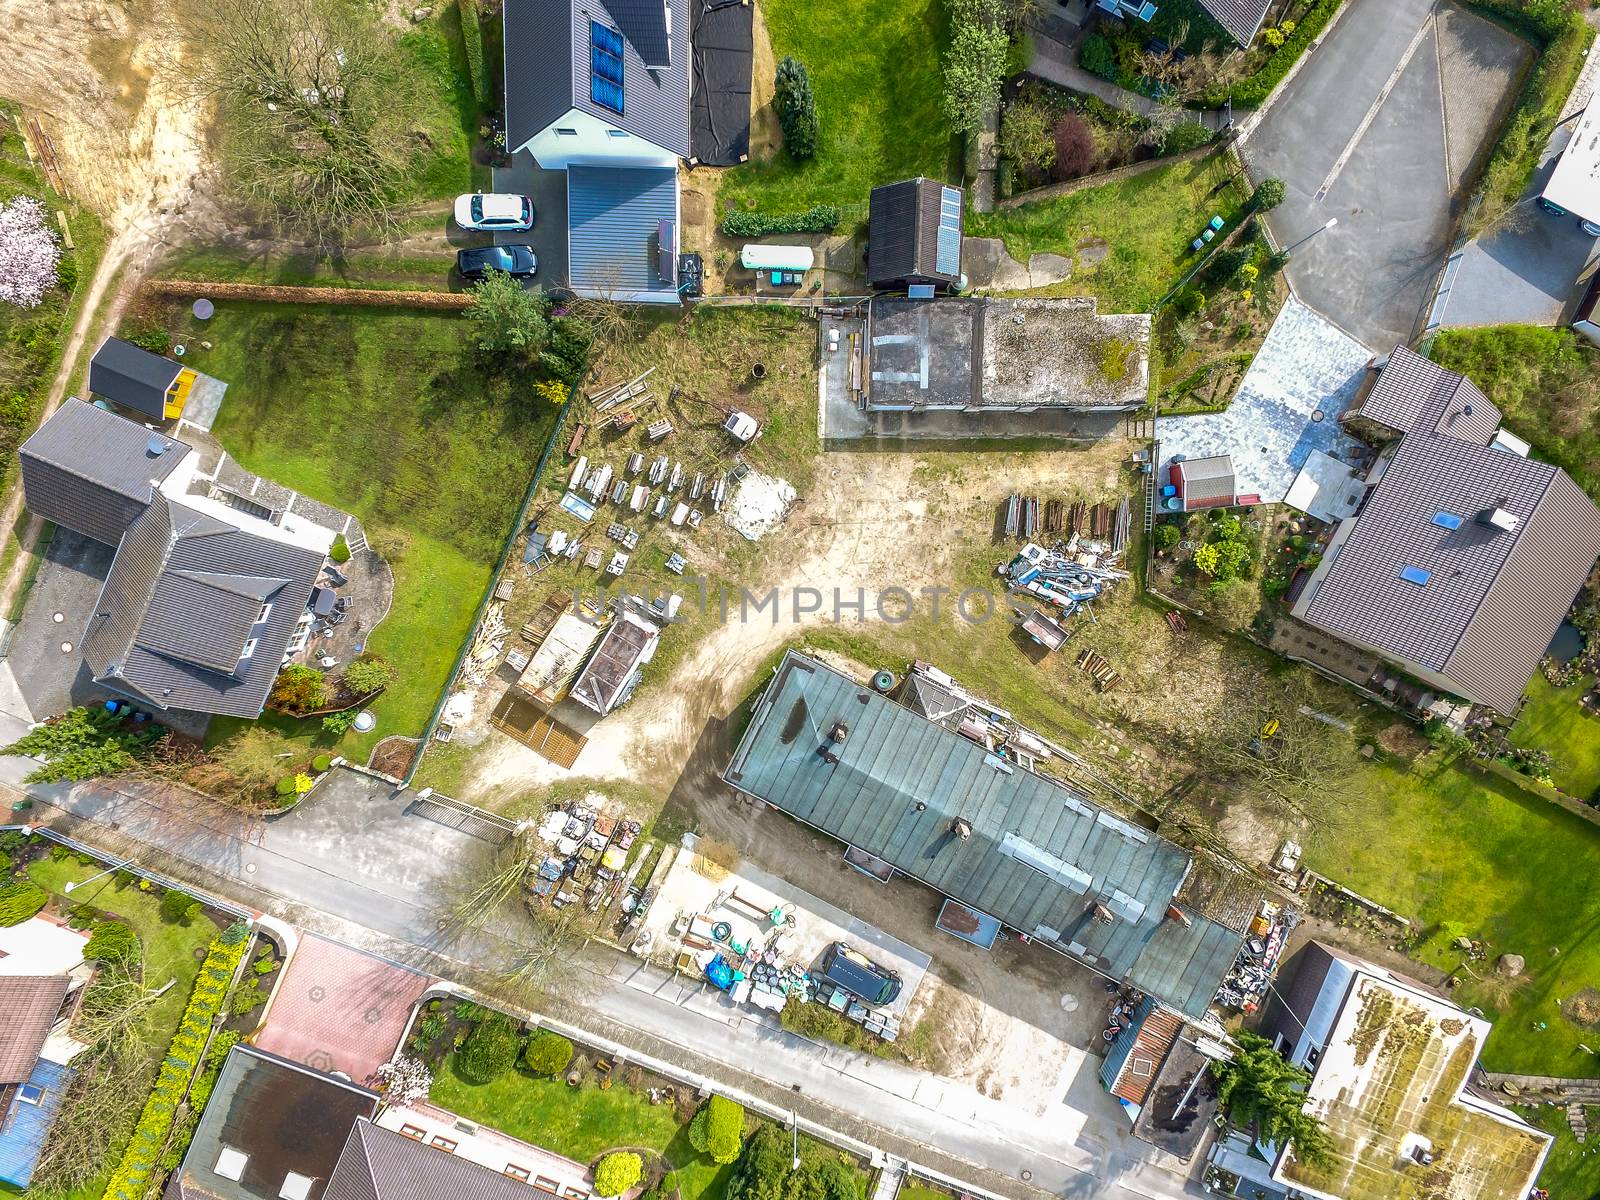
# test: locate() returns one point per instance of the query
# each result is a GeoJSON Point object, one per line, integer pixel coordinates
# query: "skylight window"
{"type": "Point", "coordinates": [1447, 520]}
{"type": "Point", "coordinates": [605, 66]}
{"type": "Point", "coordinates": [1415, 575]}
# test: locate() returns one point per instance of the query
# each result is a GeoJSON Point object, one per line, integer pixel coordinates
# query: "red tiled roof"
{"type": "Point", "coordinates": [1155, 1038]}
{"type": "Point", "coordinates": [29, 1004]}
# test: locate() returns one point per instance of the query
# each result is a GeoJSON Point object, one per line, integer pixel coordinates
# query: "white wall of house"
{"type": "Point", "coordinates": [582, 138]}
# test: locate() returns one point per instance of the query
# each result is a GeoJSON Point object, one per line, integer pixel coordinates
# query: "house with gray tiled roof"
{"type": "Point", "coordinates": [1465, 555]}
{"type": "Point", "coordinates": [207, 595]}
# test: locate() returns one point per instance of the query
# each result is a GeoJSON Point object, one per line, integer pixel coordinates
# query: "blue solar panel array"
{"type": "Point", "coordinates": [947, 247]}
{"type": "Point", "coordinates": [605, 66]}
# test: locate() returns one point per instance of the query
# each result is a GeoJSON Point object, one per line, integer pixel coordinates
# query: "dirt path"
{"type": "Point", "coordinates": [107, 83]}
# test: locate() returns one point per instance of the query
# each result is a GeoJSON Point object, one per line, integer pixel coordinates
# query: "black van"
{"type": "Point", "coordinates": [859, 975]}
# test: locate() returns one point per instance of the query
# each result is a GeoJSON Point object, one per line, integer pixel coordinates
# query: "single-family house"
{"type": "Point", "coordinates": [42, 975]}
{"type": "Point", "coordinates": [272, 1130]}
{"type": "Point", "coordinates": [1465, 555]}
{"type": "Point", "coordinates": [384, 1163]}
{"type": "Point", "coordinates": [152, 385]}
{"type": "Point", "coordinates": [914, 235]}
{"type": "Point", "coordinates": [1241, 19]}
{"type": "Point", "coordinates": [980, 827]}
{"type": "Point", "coordinates": [1390, 1062]}
{"type": "Point", "coordinates": [205, 597]}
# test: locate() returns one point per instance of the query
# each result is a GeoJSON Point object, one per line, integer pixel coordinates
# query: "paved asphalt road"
{"type": "Point", "coordinates": [373, 861]}
{"type": "Point", "coordinates": [1360, 134]}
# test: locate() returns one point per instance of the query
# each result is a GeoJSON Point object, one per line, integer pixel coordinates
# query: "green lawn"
{"type": "Point", "coordinates": [169, 954]}
{"type": "Point", "coordinates": [875, 72]}
{"type": "Point", "coordinates": [1145, 225]}
{"type": "Point", "coordinates": [1552, 719]}
{"type": "Point", "coordinates": [389, 415]}
{"type": "Point", "coordinates": [1546, 381]}
{"type": "Point", "coordinates": [1571, 1172]}
{"type": "Point", "coordinates": [1469, 854]}
{"type": "Point", "coordinates": [581, 1123]}
{"type": "Point", "coordinates": [450, 120]}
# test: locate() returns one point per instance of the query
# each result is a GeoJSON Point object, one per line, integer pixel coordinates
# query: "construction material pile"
{"type": "Point", "coordinates": [759, 505]}
{"type": "Point", "coordinates": [1068, 574]}
{"type": "Point", "coordinates": [585, 855]}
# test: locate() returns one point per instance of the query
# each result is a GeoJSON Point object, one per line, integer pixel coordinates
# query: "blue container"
{"type": "Point", "coordinates": [1169, 489]}
{"type": "Point", "coordinates": [1217, 223]}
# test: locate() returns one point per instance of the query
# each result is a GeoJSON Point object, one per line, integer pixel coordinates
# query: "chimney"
{"type": "Point", "coordinates": [1174, 913]}
{"type": "Point", "coordinates": [838, 733]}
{"type": "Point", "coordinates": [1499, 518]}
{"type": "Point", "coordinates": [962, 828]}
{"type": "Point", "coordinates": [1101, 913]}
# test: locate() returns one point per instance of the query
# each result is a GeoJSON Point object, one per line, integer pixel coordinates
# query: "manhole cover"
{"type": "Point", "coordinates": [58, 617]}
{"type": "Point", "coordinates": [66, 647]}
{"type": "Point", "coordinates": [1069, 1002]}
{"type": "Point", "coordinates": [249, 868]}
{"type": "Point", "coordinates": [1317, 414]}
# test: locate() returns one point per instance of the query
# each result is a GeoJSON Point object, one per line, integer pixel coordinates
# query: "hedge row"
{"type": "Point", "coordinates": [472, 44]}
{"type": "Point", "coordinates": [1252, 91]}
{"type": "Point", "coordinates": [132, 1178]}
{"type": "Point", "coordinates": [820, 218]}
{"type": "Point", "coordinates": [1522, 139]}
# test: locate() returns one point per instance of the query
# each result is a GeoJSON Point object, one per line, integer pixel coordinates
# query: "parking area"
{"type": "Point", "coordinates": [548, 191]}
{"type": "Point", "coordinates": [1382, 129]}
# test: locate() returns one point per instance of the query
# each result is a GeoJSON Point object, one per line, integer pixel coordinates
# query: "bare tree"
{"type": "Point", "coordinates": [1181, 78]}
{"type": "Point", "coordinates": [317, 111]}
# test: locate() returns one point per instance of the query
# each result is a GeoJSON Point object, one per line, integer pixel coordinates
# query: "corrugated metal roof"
{"type": "Point", "coordinates": [132, 377]}
{"type": "Point", "coordinates": [904, 226]}
{"type": "Point", "coordinates": [607, 676]}
{"type": "Point", "coordinates": [1241, 18]}
{"type": "Point", "coordinates": [1415, 394]}
{"type": "Point", "coordinates": [1040, 858]}
{"type": "Point", "coordinates": [548, 70]}
{"type": "Point", "coordinates": [1135, 1058]}
{"type": "Point", "coordinates": [179, 604]}
{"type": "Point", "coordinates": [30, 1004]}
{"type": "Point", "coordinates": [1493, 598]}
{"type": "Point", "coordinates": [613, 214]}
{"type": "Point", "coordinates": [24, 1129]}
{"type": "Point", "coordinates": [380, 1164]}
{"type": "Point", "coordinates": [94, 472]}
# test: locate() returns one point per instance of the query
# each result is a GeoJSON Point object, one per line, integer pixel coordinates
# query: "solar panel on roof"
{"type": "Point", "coordinates": [605, 66]}
{"type": "Point", "coordinates": [947, 252]}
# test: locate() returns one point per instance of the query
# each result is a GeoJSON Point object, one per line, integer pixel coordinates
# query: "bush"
{"type": "Point", "coordinates": [617, 1172]}
{"type": "Point", "coordinates": [1026, 135]}
{"type": "Point", "coordinates": [718, 1129]}
{"type": "Point", "coordinates": [566, 357]}
{"type": "Point", "coordinates": [300, 689]}
{"type": "Point", "coordinates": [1185, 136]}
{"type": "Point", "coordinates": [547, 1053]}
{"type": "Point", "coordinates": [490, 1049]}
{"type": "Point", "coordinates": [112, 942]}
{"type": "Point", "coordinates": [368, 673]}
{"type": "Point", "coordinates": [1253, 89]}
{"type": "Point", "coordinates": [284, 786]}
{"type": "Point", "coordinates": [339, 723]}
{"type": "Point", "coordinates": [20, 901]}
{"type": "Point", "coordinates": [247, 998]}
{"type": "Point", "coordinates": [13, 840]}
{"type": "Point", "coordinates": [796, 108]}
{"type": "Point", "coordinates": [1096, 57]}
{"type": "Point", "coordinates": [1222, 560]}
{"type": "Point", "coordinates": [1191, 302]}
{"type": "Point", "coordinates": [820, 218]}
{"type": "Point", "coordinates": [1268, 195]}
{"type": "Point", "coordinates": [472, 44]}
{"type": "Point", "coordinates": [975, 61]}
{"type": "Point", "coordinates": [1167, 536]}
{"type": "Point", "coordinates": [507, 318]}
{"type": "Point", "coordinates": [321, 763]}
{"type": "Point", "coordinates": [177, 906]}
{"type": "Point", "coordinates": [340, 550]}
{"type": "Point", "coordinates": [84, 743]}
{"type": "Point", "coordinates": [157, 341]}
{"type": "Point", "coordinates": [1075, 147]}
{"type": "Point", "coordinates": [1225, 265]}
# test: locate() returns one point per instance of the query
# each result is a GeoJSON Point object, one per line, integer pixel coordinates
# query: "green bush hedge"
{"type": "Point", "coordinates": [547, 1054]}
{"type": "Point", "coordinates": [820, 218]}
{"type": "Point", "coordinates": [20, 901]}
{"type": "Point", "coordinates": [1185, 136]}
{"type": "Point", "coordinates": [1252, 91]}
{"type": "Point", "coordinates": [472, 44]}
{"type": "Point", "coordinates": [1096, 56]}
{"type": "Point", "coordinates": [617, 1173]}
{"type": "Point", "coordinates": [490, 1050]}
{"type": "Point", "coordinates": [718, 1129]}
{"type": "Point", "coordinates": [1522, 138]}
{"type": "Point", "coordinates": [132, 1178]}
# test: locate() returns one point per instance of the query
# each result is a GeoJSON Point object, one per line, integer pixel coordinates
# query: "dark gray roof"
{"type": "Point", "coordinates": [1040, 858]}
{"type": "Point", "coordinates": [1493, 598]}
{"type": "Point", "coordinates": [380, 1164]}
{"type": "Point", "coordinates": [605, 679]}
{"type": "Point", "coordinates": [92, 471]}
{"type": "Point", "coordinates": [904, 234]}
{"type": "Point", "coordinates": [1413, 393]}
{"type": "Point", "coordinates": [284, 1117]}
{"type": "Point", "coordinates": [1241, 18]}
{"type": "Point", "coordinates": [613, 219]}
{"type": "Point", "coordinates": [134, 378]}
{"type": "Point", "coordinates": [547, 69]}
{"type": "Point", "coordinates": [30, 1004]}
{"type": "Point", "coordinates": [180, 603]}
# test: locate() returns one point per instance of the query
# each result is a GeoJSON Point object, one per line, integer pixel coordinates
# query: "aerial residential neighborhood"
{"type": "Point", "coordinates": [730, 600]}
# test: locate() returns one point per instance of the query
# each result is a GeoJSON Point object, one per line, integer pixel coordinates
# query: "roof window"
{"type": "Point", "coordinates": [231, 1163]}
{"type": "Point", "coordinates": [1447, 520]}
{"type": "Point", "coordinates": [1415, 575]}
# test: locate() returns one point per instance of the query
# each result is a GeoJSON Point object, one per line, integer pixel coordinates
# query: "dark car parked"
{"type": "Point", "coordinates": [859, 975]}
{"type": "Point", "coordinates": [514, 260]}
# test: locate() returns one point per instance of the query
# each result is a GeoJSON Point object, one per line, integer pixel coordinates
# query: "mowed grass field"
{"type": "Point", "coordinates": [875, 73]}
{"type": "Point", "coordinates": [1552, 719]}
{"type": "Point", "coordinates": [389, 415]}
{"type": "Point", "coordinates": [1468, 854]}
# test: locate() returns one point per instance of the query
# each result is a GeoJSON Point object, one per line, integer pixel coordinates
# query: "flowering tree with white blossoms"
{"type": "Point", "coordinates": [29, 253]}
{"type": "Point", "coordinates": [403, 1080]}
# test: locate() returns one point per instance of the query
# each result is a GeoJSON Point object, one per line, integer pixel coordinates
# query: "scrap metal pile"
{"type": "Point", "coordinates": [1067, 574]}
{"type": "Point", "coordinates": [1247, 981]}
{"type": "Point", "coordinates": [586, 858]}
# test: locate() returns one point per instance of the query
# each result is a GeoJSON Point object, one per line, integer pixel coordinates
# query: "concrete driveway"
{"type": "Point", "coordinates": [1381, 128]}
{"type": "Point", "coordinates": [57, 612]}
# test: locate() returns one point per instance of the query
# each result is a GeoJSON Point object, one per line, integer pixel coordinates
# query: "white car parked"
{"type": "Point", "coordinates": [494, 210]}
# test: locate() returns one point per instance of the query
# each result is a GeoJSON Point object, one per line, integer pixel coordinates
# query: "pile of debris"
{"type": "Point", "coordinates": [586, 858]}
{"type": "Point", "coordinates": [1068, 574]}
{"type": "Point", "coordinates": [1025, 518]}
{"type": "Point", "coordinates": [1247, 981]}
{"type": "Point", "coordinates": [759, 505]}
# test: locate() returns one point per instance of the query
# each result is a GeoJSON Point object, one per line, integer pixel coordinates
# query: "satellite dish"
{"type": "Point", "coordinates": [155, 445]}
